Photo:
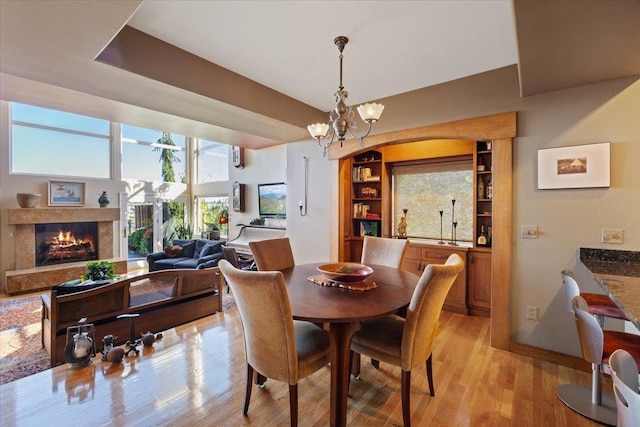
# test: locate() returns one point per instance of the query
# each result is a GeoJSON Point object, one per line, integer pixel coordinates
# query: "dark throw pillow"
{"type": "Point", "coordinates": [173, 251]}
{"type": "Point", "coordinates": [210, 249]}
{"type": "Point", "coordinates": [188, 247]}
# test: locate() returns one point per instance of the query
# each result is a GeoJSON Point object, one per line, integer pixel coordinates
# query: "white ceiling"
{"type": "Point", "coordinates": [394, 46]}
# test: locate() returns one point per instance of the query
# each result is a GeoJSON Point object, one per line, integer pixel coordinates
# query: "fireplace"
{"type": "Point", "coordinates": [27, 277]}
{"type": "Point", "coordinates": [59, 243]}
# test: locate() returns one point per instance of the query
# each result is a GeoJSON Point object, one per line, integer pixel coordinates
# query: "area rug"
{"type": "Point", "coordinates": [21, 351]}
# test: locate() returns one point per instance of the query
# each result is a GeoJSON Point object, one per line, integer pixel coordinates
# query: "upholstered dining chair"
{"type": "Point", "coordinates": [231, 255]}
{"type": "Point", "coordinates": [383, 251]}
{"type": "Point", "coordinates": [624, 372]}
{"type": "Point", "coordinates": [600, 305]}
{"type": "Point", "coordinates": [597, 345]}
{"type": "Point", "coordinates": [276, 346]}
{"type": "Point", "coordinates": [407, 342]}
{"type": "Point", "coordinates": [272, 254]}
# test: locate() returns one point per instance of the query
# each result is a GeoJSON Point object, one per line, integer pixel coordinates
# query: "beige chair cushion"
{"type": "Point", "coordinates": [407, 343]}
{"type": "Point", "coordinates": [272, 254]}
{"type": "Point", "coordinates": [383, 251]}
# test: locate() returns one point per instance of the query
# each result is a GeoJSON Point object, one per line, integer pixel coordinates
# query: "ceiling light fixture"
{"type": "Point", "coordinates": [341, 119]}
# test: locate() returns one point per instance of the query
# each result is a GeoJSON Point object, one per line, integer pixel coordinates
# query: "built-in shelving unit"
{"type": "Point", "coordinates": [484, 193]}
{"type": "Point", "coordinates": [366, 194]}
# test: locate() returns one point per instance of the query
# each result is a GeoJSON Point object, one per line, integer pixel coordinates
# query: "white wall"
{"type": "Point", "coordinates": [309, 234]}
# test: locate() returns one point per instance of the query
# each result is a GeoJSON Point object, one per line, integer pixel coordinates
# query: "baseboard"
{"type": "Point", "coordinates": [550, 356]}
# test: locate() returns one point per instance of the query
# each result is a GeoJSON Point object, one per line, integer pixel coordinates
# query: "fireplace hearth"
{"type": "Point", "coordinates": [60, 243]}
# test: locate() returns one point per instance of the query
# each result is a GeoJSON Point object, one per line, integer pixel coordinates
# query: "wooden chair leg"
{"type": "Point", "coordinates": [375, 363]}
{"type": "Point", "coordinates": [406, 391]}
{"type": "Point", "coordinates": [260, 379]}
{"type": "Point", "coordinates": [247, 391]}
{"type": "Point", "coordinates": [293, 404]}
{"type": "Point", "coordinates": [355, 364]}
{"type": "Point", "coordinates": [432, 390]}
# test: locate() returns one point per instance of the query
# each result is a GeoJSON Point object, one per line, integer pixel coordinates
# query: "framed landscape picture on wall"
{"type": "Point", "coordinates": [65, 193]}
{"type": "Point", "coordinates": [578, 166]}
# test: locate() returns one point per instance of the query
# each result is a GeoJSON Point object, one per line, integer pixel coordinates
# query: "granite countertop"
{"type": "Point", "coordinates": [618, 274]}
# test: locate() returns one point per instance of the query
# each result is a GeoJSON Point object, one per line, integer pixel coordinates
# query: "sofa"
{"type": "Point", "coordinates": [191, 253]}
{"type": "Point", "coordinates": [161, 300]}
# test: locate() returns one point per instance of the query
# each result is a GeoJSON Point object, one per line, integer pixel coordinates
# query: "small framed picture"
{"type": "Point", "coordinates": [238, 197]}
{"type": "Point", "coordinates": [64, 193]}
{"type": "Point", "coordinates": [237, 157]}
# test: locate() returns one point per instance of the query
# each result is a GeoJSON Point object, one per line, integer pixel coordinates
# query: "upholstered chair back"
{"type": "Point", "coordinates": [383, 251]}
{"type": "Point", "coordinates": [624, 373]}
{"type": "Point", "coordinates": [272, 254]}
{"type": "Point", "coordinates": [424, 310]}
{"type": "Point", "coordinates": [589, 331]}
{"type": "Point", "coordinates": [571, 288]}
{"type": "Point", "coordinates": [231, 255]}
{"type": "Point", "coordinates": [262, 300]}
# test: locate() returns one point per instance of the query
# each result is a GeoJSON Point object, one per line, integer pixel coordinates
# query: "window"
{"type": "Point", "coordinates": [212, 161]}
{"type": "Point", "coordinates": [50, 142]}
{"type": "Point", "coordinates": [211, 210]}
{"type": "Point", "coordinates": [427, 188]}
{"type": "Point", "coordinates": [152, 155]}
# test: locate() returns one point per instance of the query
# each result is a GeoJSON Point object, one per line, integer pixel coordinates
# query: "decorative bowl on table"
{"type": "Point", "coordinates": [345, 271]}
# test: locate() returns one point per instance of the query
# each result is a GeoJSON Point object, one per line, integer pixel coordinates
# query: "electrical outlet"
{"type": "Point", "coordinates": [528, 231]}
{"type": "Point", "coordinates": [532, 312]}
{"type": "Point", "coordinates": [612, 235]}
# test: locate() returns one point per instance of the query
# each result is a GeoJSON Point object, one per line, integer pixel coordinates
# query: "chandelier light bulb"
{"type": "Point", "coordinates": [318, 130]}
{"type": "Point", "coordinates": [370, 112]}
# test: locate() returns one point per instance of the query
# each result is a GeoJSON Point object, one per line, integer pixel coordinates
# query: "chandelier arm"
{"type": "Point", "coordinates": [353, 135]}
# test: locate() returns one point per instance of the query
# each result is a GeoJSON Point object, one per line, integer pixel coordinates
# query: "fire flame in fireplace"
{"type": "Point", "coordinates": [66, 239]}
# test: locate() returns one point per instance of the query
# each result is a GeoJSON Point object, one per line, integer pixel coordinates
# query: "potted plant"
{"type": "Point", "coordinates": [99, 270]}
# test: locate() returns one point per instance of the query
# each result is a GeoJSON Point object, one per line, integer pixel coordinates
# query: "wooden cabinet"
{"type": "Point", "coordinates": [418, 256]}
{"type": "Point", "coordinates": [479, 282]}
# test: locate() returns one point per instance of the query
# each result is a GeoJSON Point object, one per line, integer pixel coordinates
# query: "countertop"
{"type": "Point", "coordinates": [618, 274]}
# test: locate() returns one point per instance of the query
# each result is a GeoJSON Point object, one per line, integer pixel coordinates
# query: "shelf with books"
{"type": "Point", "coordinates": [366, 194]}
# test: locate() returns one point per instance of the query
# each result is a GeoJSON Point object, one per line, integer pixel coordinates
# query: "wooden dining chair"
{"type": "Point", "coordinates": [597, 345]}
{"type": "Point", "coordinates": [383, 251]}
{"type": "Point", "coordinates": [272, 254]}
{"type": "Point", "coordinates": [624, 372]}
{"type": "Point", "coordinates": [407, 342]}
{"type": "Point", "coordinates": [600, 305]}
{"type": "Point", "coordinates": [276, 346]}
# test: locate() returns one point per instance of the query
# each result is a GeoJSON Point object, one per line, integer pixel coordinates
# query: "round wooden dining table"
{"type": "Point", "coordinates": [344, 310]}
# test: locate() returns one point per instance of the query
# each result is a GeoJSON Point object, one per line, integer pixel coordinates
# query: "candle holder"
{"type": "Point", "coordinates": [455, 228]}
{"type": "Point", "coordinates": [441, 242]}
{"type": "Point", "coordinates": [453, 218]}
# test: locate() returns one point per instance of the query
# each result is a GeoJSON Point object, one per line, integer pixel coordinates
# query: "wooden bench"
{"type": "Point", "coordinates": [163, 300]}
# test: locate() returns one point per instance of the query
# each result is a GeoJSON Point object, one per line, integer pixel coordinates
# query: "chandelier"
{"type": "Point", "coordinates": [342, 118]}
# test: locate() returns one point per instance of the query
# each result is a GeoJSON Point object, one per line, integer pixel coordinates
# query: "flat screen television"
{"type": "Point", "coordinates": [272, 200]}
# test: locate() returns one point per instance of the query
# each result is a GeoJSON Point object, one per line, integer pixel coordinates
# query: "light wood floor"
{"type": "Point", "coordinates": [195, 377]}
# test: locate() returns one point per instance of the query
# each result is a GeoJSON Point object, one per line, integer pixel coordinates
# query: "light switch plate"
{"type": "Point", "coordinates": [528, 231]}
{"type": "Point", "coordinates": [612, 235]}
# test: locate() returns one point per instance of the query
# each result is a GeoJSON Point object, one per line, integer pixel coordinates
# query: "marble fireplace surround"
{"type": "Point", "coordinates": [26, 276]}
